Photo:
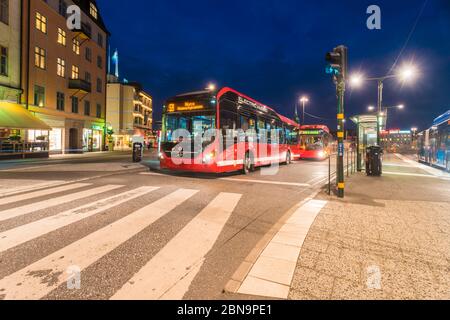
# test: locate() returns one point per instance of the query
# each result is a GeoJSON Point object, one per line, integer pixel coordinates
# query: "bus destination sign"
{"type": "Point", "coordinates": [186, 107]}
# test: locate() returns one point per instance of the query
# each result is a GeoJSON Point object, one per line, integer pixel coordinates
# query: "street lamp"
{"type": "Point", "coordinates": [406, 73]}
{"type": "Point", "coordinates": [304, 100]}
{"type": "Point", "coordinates": [211, 87]}
{"type": "Point", "coordinates": [371, 108]}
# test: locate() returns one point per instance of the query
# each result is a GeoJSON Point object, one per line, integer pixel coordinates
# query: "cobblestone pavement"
{"type": "Point", "coordinates": [389, 239]}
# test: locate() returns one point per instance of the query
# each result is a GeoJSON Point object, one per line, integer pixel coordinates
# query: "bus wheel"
{"type": "Point", "coordinates": [248, 164]}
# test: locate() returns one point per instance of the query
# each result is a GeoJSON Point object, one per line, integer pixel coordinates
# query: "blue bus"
{"type": "Point", "coordinates": [434, 143]}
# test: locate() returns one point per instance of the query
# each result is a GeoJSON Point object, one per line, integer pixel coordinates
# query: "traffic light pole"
{"type": "Point", "coordinates": [341, 148]}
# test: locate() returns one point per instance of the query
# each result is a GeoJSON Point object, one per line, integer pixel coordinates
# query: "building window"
{"type": "Point", "coordinates": [61, 67]}
{"type": "Point", "coordinates": [62, 8]}
{"type": "Point", "coordinates": [4, 11]}
{"type": "Point", "coordinates": [93, 11]}
{"type": "Point", "coordinates": [41, 22]}
{"type": "Point", "coordinates": [75, 72]}
{"type": "Point", "coordinates": [39, 57]}
{"type": "Point", "coordinates": [100, 40]}
{"type": "Point", "coordinates": [76, 46]}
{"type": "Point", "coordinates": [39, 96]}
{"type": "Point", "coordinates": [98, 111]}
{"type": "Point", "coordinates": [87, 108]}
{"type": "Point", "coordinates": [3, 61]}
{"type": "Point", "coordinates": [74, 105]}
{"type": "Point", "coordinates": [61, 37]}
{"type": "Point", "coordinates": [99, 85]}
{"type": "Point", "coordinates": [60, 101]}
{"type": "Point", "coordinates": [99, 62]}
{"type": "Point", "coordinates": [88, 54]}
{"type": "Point", "coordinates": [87, 77]}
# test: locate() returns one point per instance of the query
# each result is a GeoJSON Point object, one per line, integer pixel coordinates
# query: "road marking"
{"type": "Point", "coordinates": [37, 280]}
{"type": "Point", "coordinates": [32, 187]}
{"type": "Point", "coordinates": [151, 174]}
{"type": "Point", "coordinates": [27, 209]}
{"type": "Point", "coordinates": [42, 193]}
{"type": "Point", "coordinates": [415, 175]}
{"type": "Point", "coordinates": [272, 273]}
{"type": "Point", "coordinates": [182, 253]}
{"type": "Point", "coordinates": [22, 234]}
{"type": "Point", "coordinates": [281, 183]}
{"type": "Point", "coordinates": [430, 170]}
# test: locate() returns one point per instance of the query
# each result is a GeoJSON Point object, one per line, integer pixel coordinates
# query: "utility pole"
{"type": "Point", "coordinates": [338, 62]}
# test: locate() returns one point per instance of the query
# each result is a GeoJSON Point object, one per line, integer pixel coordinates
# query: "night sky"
{"type": "Point", "coordinates": [273, 51]}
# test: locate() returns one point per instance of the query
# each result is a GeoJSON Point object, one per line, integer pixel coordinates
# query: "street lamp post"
{"type": "Point", "coordinates": [304, 100]}
{"type": "Point", "coordinates": [407, 73]}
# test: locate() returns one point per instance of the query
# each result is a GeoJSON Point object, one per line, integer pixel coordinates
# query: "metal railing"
{"type": "Point", "coordinates": [350, 166]}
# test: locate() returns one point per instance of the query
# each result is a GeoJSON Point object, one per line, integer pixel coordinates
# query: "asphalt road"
{"type": "Point", "coordinates": [117, 230]}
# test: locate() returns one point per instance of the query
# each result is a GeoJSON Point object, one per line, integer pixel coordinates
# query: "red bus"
{"type": "Point", "coordinates": [223, 131]}
{"type": "Point", "coordinates": [315, 142]}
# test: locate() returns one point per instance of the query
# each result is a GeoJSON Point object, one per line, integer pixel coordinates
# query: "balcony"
{"type": "Point", "coordinates": [83, 34]}
{"type": "Point", "coordinates": [80, 85]}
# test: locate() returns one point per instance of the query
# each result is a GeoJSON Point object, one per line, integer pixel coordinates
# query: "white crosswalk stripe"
{"type": "Point", "coordinates": [41, 193]}
{"type": "Point", "coordinates": [40, 278]}
{"type": "Point", "coordinates": [184, 252]}
{"type": "Point", "coordinates": [30, 208]}
{"type": "Point", "coordinates": [22, 234]}
{"type": "Point", "coordinates": [33, 187]}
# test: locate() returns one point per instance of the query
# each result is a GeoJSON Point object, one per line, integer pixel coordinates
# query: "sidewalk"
{"type": "Point", "coordinates": [388, 239]}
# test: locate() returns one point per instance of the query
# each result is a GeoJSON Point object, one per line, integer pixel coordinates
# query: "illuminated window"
{"type": "Point", "coordinates": [93, 10]}
{"type": "Point", "coordinates": [41, 22]}
{"type": "Point", "coordinates": [75, 72]}
{"type": "Point", "coordinates": [61, 37]}
{"type": "Point", "coordinates": [76, 46]}
{"type": "Point", "coordinates": [3, 61]}
{"type": "Point", "coordinates": [39, 57]}
{"type": "Point", "coordinates": [61, 67]}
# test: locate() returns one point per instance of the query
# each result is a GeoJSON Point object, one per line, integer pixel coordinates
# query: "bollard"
{"type": "Point", "coordinates": [329, 175]}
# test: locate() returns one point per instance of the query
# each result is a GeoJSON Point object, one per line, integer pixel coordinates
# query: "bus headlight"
{"type": "Point", "coordinates": [322, 154]}
{"type": "Point", "coordinates": [161, 156]}
{"type": "Point", "coordinates": [208, 158]}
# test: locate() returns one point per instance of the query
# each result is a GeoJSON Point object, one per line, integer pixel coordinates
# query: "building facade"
{"type": "Point", "coordinates": [64, 74]}
{"type": "Point", "coordinates": [397, 140]}
{"type": "Point", "coordinates": [129, 113]}
{"type": "Point", "coordinates": [10, 87]}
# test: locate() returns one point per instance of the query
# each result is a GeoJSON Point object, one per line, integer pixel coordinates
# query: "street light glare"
{"type": "Point", "coordinates": [401, 107]}
{"type": "Point", "coordinates": [304, 99]}
{"type": "Point", "coordinates": [371, 108]}
{"type": "Point", "coordinates": [211, 87]}
{"type": "Point", "coordinates": [408, 73]}
{"type": "Point", "coordinates": [356, 80]}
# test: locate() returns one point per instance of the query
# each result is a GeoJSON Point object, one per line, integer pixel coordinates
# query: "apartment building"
{"type": "Point", "coordinates": [10, 89]}
{"type": "Point", "coordinates": [129, 113]}
{"type": "Point", "coordinates": [64, 74]}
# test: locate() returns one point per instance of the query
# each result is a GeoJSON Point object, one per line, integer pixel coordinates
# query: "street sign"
{"type": "Point", "coordinates": [341, 149]}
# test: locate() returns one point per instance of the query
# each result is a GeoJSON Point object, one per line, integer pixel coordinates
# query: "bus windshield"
{"type": "Point", "coordinates": [312, 142]}
{"type": "Point", "coordinates": [192, 122]}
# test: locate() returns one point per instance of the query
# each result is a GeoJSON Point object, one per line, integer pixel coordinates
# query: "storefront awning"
{"type": "Point", "coordinates": [14, 116]}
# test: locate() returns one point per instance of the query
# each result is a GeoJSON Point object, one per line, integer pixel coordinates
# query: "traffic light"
{"type": "Point", "coordinates": [338, 61]}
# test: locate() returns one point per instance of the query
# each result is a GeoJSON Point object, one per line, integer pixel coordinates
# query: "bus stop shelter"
{"type": "Point", "coordinates": [367, 134]}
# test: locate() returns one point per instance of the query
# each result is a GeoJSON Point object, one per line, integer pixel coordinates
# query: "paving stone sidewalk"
{"type": "Point", "coordinates": [388, 239]}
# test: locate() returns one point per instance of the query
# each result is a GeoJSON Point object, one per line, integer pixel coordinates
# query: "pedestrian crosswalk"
{"type": "Point", "coordinates": [167, 275]}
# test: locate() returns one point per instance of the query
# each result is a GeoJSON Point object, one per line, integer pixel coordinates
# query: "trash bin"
{"type": "Point", "coordinates": [137, 152]}
{"type": "Point", "coordinates": [374, 155]}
